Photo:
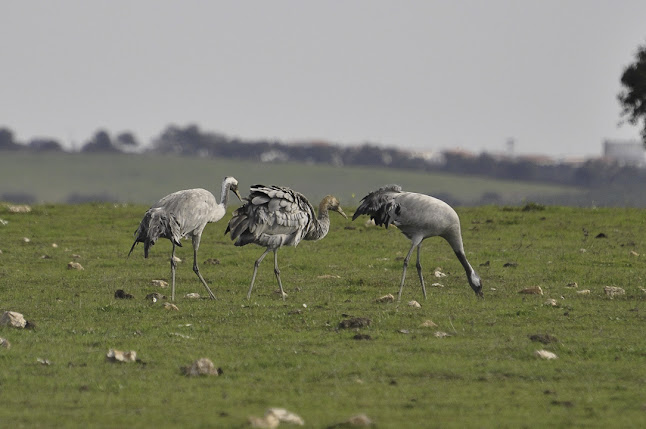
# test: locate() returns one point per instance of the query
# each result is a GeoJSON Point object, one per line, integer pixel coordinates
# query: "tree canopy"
{"type": "Point", "coordinates": [633, 95]}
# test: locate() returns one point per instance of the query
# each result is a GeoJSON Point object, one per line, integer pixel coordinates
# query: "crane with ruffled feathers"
{"type": "Point", "coordinates": [418, 217]}
{"type": "Point", "coordinates": [180, 215]}
{"type": "Point", "coordinates": [276, 216]}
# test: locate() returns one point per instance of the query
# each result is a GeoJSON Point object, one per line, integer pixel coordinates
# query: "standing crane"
{"type": "Point", "coordinates": [275, 216]}
{"type": "Point", "coordinates": [418, 217]}
{"type": "Point", "coordinates": [183, 214]}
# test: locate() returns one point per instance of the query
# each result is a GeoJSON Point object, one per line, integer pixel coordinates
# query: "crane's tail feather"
{"type": "Point", "coordinates": [157, 223]}
{"type": "Point", "coordinates": [380, 205]}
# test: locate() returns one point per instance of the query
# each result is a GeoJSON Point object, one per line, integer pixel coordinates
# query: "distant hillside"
{"type": "Point", "coordinates": [68, 178]}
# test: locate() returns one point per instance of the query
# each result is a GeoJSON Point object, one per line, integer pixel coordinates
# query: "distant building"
{"type": "Point", "coordinates": [630, 152]}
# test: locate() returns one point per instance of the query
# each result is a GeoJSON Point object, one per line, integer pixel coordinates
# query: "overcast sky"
{"type": "Point", "coordinates": [423, 75]}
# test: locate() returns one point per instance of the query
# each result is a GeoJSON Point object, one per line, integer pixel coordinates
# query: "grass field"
{"type": "Point", "coordinates": [61, 177]}
{"type": "Point", "coordinates": [292, 354]}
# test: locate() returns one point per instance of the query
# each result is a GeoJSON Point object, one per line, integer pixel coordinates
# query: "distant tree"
{"type": "Point", "coordinates": [7, 140]}
{"type": "Point", "coordinates": [633, 95]}
{"type": "Point", "coordinates": [127, 139]}
{"type": "Point", "coordinates": [101, 142]}
{"type": "Point", "coordinates": [45, 144]}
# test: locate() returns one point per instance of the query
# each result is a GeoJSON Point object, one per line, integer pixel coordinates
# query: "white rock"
{"type": "Point", "coordinates": [534, 290]}
{"type": "Point", "coordinates": [613, 291]}
{"type": "Point", "coordinates": [19, 208]}
{"type": "Point", "coordinates": [202, 366]}
{"type": "Point", "coordinates": [583, 292]}
{"type": "Point", "coordinates": [12, 318]}
{"type": "Point", "coordinates": [428, 324]}
{"type": "Point", "coordinates": [552, 302]}
{"type": "Point", "coordinates": [121, 356]}
{"type": "Point", "coordinates": [274, 416]}
{"type": "Point", "coordinates": [192, 295]}
{"type": "Point", "coordinates": [440, 334]}
{"type": "Point", "coordinates": [74, 266]}
{"type": "Point", "coordinates": [544, 354]}
{"type": "Point", "coordinates": [414, 304]}
{"type": "Point", "coordinates": [386, 298]}
{"type": "Point", "coordinates": [5, 343]}
{"type": "Point", "coordinates": [159, 283]}
{"type": "Point", "coordinates": [170, 306]}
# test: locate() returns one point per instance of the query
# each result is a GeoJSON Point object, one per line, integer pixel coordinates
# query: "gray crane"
{"type": "Point", "coordinates": [275, 216]}
{"type": "Point", "coordinates": [418, 217]}
{"type": "Point", "coordinates": [183, 214]}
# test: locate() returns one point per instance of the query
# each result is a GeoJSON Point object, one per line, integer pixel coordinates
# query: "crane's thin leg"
{"type": "Point", "coordinates": [419, 270]}
{"type": "Point", "coordinates": [173, 265]}
{"type": "Point", "coordinates": [401, 286]}
{"type": "Point", "coordinates": [255, 271]}
{"type": "Point", "coordinates": [277, 272]}
{"type": "Point", "coordinates": [196, 245]}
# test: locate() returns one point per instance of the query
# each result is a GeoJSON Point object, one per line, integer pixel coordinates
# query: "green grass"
{"type": "Point", "coordinates": [55, 177]}
{"type": "Point", "coordinates": [283, 354]}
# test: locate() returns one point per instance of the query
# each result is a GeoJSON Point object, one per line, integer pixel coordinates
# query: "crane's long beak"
{"type": "Point", "coordinates": [235, 191]}
{"type": "Point", "coordinates": [338, 210]}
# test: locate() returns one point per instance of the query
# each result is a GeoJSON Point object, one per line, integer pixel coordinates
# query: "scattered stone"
{"type": "Point", "coordinates": [354, 322]}
{"type": "Point", "coordinates": [26, 240]}
{"type": "Point", "coordinates": [212, 261]}
{"type": "Point", "coordinates": [572, 285]}
{"type": "Point", "coordinates": [5, 343]}
{"type": "Point", "coordinates": [357, 421]}
{"type": "Point", "coordinates": [23, 208]}
{"type": "Point", "coordinates": [386, 298]}
{"type": "Point", "coordinates": [12, 318]}
{"type": "Point", "coordinates": [428, 324]}
{"type": "Point", "coordinates": [601, 235]}
{"type": "Point", "coordinates": [202, 366]}
{"type": "Point", "coordinates": [414, 304]}
{"type": "Point", "coordinates": [510, 264]}
{"type": "Point", "coordinates": [437, 285]}
{"type": "Point", "coordinates": [121, 356]}
{"type": "Point", "coordinates": [55, 246]}
{"type": "Point", "coordinates": [4, 222]}
{"type": "Point", "coordinates": [583, 292]}
{"type": "Point", "coordinates": [632, 252]}
{"type": "Point", "coordinates": [192, 295]}
{"type": "Point", "coordinates": [544, 354]}
{"type": "Point", "coordinates": [154, 297]}
{"type": "Point", "coordinates": [176, 259]}
{"type": "Point", "coordinates": [159, 283]}
{"type": "Point", "coordinates": [438, 273]}
{"type": "Point", "coordinates": [121, 294]}
{"type": "Point", "coordinates": [613, 291]}
{"type": "Point", "coordinates": [485, 264]}
{"type": "Point", "coordinates": [404, 331]}
{"type": "Point", "coordinates": [170, 306]}
{"type": "Point", "coordinates": [328, 276]}
{"type": "Point", "coordinates": [362, 337]}
{"type": "Point", "coordinates": [75, 256]}
{"type": "Point", "coordinates": [544, 338]}
{"type": "Point", "coordinates": [273, 417]}
{"type": "Point", "coordinates": [45, 362]}
{"type": "Point", "coordinates": [441, 334]}
{"type": "Point", "coordinates": [551, 302]}
{"type": "Point", "coordinates": [534, 290]}
{"type": "Point", "coordinates": [582, 250]}
{"type": "Point", "coordinates": [45, 257]}
{"type": "Point", "coordinates": [74, 266]}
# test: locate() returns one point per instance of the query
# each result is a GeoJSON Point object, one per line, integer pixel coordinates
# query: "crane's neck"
{"type": "Point", "coordinates": [320, 225]}
{"type": "Point", "coordinates": [224, 195]}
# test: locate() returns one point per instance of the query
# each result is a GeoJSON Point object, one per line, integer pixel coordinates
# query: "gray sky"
{"type": "Point", "coordinates": [423, 75]}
